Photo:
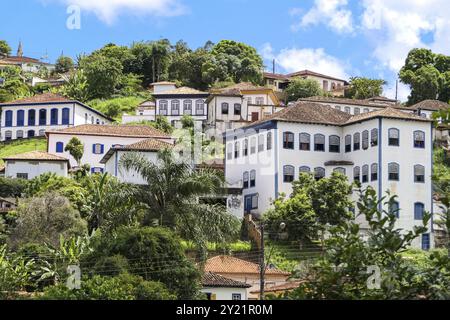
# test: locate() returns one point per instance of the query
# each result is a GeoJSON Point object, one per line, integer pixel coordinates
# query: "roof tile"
{"type": "Point", "coordinates": [36, 155]}
{"type": "Point", "coordinates": [113, 130]}
{"type": "Point", "coordinates": [232, 265]}
{"type": "Point", "coordinates": [211, 279]}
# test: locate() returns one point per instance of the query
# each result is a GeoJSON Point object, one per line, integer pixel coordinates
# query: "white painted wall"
{"type": "Point", "coordinates": [225, 294]}
{"type": "Point", "coordinates": [35, 168]}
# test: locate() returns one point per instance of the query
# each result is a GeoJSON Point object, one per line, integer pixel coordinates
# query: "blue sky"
{"type": "Point", "coordinates": [339, 37]}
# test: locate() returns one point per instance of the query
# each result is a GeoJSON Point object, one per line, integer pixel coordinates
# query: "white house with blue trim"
{"type": "Point", "coordinates": [31, 117]}
{"type": "Point", "coordinates": [386, 149]}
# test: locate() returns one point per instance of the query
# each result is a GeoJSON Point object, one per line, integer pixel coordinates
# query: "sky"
{"type": "Point", "coordinates": [341, 38]}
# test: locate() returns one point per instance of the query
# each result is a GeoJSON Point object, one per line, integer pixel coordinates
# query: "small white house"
{"type": "Point", "coordinates": [220, 288]}
{"type": "Point", "coordinates": [144, 112]}
{"type": "Point", "coordinates": [32, 164]}
{"type": "Point", "coordinates": [31, 117]}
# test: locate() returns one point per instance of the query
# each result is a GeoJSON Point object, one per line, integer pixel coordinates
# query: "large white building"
{"type": "Point", "coordinates": [387, 149]}
{"type": "Point", "coordinates": [99, 139]}
{"type": "Point", "coordinates": [30, 117]}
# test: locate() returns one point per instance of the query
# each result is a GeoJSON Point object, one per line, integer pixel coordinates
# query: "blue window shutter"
{"type": "Point", "coordinates": [102, 149]}
{"type": "Point", "coordinates": [92, 170]}
{"type": "Point", "coordinates": [93, 148]}
{"type": "Point", "coordinates": [59, 147]}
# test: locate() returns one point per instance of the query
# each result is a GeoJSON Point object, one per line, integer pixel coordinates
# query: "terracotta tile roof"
{"type": "Point", "coordinates": [23, 60]}
{"type": "Point", "coordinates": [232, 265]}
{"type": "Point", "coordinates": [135, 131]}
{"type": "Point", "coordinates": [312, 73]}
{"type": "Point", "coordinates": [282, 287]}
{"type": "Point", "coordinates": [182, 91]}
{"type": "Point", "coordinates": [211, 279]}
{"type": "Point", "coordinates": [146, 145]}
{"type": "Point", "coordinates": [36, 155]}
{"type": "Point", "coordinates": [388, 112]}
{"type": "Point", "coordinates": [41, 98]}
{"type": "Point", "coordinates": [237, 89]}
{"type": "Point", "coordinates": [431, 105]}
{"type": "Point", "coordinates": [277, 76]}
{"type": "Point", "coordinates": [355, 102]}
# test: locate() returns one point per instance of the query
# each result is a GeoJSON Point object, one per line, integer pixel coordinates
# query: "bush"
{"type": "Point", "coordinates": [12, 187]}
{"type": "Point", "coordinates": [111, 266]}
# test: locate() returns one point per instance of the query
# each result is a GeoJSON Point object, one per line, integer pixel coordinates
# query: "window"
{"type": "Point", "coordinates": [260, 143]}
{"type": "Point", "coordinates": [357, 174]}
{"type": "Point", "coordinates": [259, 100]}
{"type": "Point", "coordinates": [237, 147]}
{"type": "Point", "coordinates": [357, 111]}
{"type": "Point", "coordinates": [20, 118]}
{"type": "Point", "coordinates": [348, 143]}
{"type": "Point", "coordinates": [304, 169]}
{"type": "Point", "coordinates": [31, 117]}
{"type": "Point", "coordinates": [42, 117]}
{"type": "Point", "coordinates": [319, 173]}
{"type": "Point", "coordinates": [92, 120]}
{"type": "Point", "coordinates": [305, 142]}
{"type": "Point", "coordinates": [340, 170]}
{"type": "Point", "coordinates": [175, 107]}
{"type": "Point", "coordinates": [374, 172]}
{"type": "Point", "coordinates": [54, 116]}
{"type": "Point", "coordinates": [319, 142]}
{"type": "Point", "coordinates": [187, 107]}
{"type": "Point", "coordinates": [246, 180]}
{"type": "Point", "coordinates": [419, 139]}
{"type": "Point", "coordinates": [163, 105]}
{"type": "Point", "coordinates": [97, 148]}
{"type": "Point", "coordinates": [30, 133]}
{"type": "Point", "coordinates": [288, 174]}
{"type": "Point", "coordinates": [347, 110]}
{"type": "Point", "coordinates": [394, 137]}
{"type": "Point", "coordinates": [419, 174]}
{"type": "Point", "coordinates": [225, 107]}
{"type": "Point", "coordinates": [338, 108]}
{"type": "Point", "coordinates": [365, 140]}
{"type": "Point", "coordinates": [245, 147]}
{"type": "Point", "coordinates": [356, 141]}
{"type": "Point", "coordinates": [249, 100]}
{"type": "Point", "coordinates": [394, 172]}
{"type": "Point", "coordinates": [335, 144]}
{"type": "Point", "coordinates": [8, 118]}
{"type": "Point", "coordinates": [59, 147]}
{"type": "Point", "coordinates": [41, 132]}
{"type": "Point", "coordinates": [237, 109]}
{"type": "Point", "coordinates": [269, 140]}
{"type": "Point", "coordinates": [8, 135]}
{"type": "Point", "coordinates": [96, 170]}
{"type": "Point", "coordinates": [22, 176]}
{"type": "Point", "coordinates": [394, 208]}
{"type": "Point", "coordinates": [374, 137]}
{"type": "Point", "coordinates": [426, 242]}
{"type": "Point", "coordinates": [253, 145]}
{"type": "Point", "coordinates": [250, 203]}
{"type": "Point", "coordinates": [85, 118]}
{"type": "Point", "coordinates": [65, 116]}
{"type": "Point", "coordinates": [288, 140]}
{"type": "Point", "coordinates": [236, 296]}
{"type": "Point", "coordinates": [230, 151]}
{"type": "Point", "coordinates": [419, 210]}
{"type": "Point", "coordinates": [199, 107]}
{"type": "Point", "coordinates": [97, 121]}
{"type": "Point", "coordinates": [365, 174]}
{"type": "Point", "coordinates": [252, 178]}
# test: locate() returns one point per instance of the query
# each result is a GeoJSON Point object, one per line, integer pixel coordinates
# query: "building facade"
{"type": "Point", "coordinates": [386, 149]}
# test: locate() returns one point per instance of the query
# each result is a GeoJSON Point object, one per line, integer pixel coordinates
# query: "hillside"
{"type": "Point", "coordinates": [21, 146]}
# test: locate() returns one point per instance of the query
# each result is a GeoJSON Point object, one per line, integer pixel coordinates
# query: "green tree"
{"type": "Point", "coordinates": [364, 88]}
{"type": "Point", "coordinates": [12, 187]}
{"type": "Point", "coordinates": [76, 149]}
{"type": "Point", "coordinates": [76, 86]}
{"type": "Point", "coordinates": [5, 49]}
{"type": "Point", "coordinates": [64, 64]}
{"type": "Point", "coordinates": [303, 88]}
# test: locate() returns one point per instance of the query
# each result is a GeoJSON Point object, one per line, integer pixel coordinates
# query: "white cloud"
{"type": "Point", "coordinates": [330, 12]}
{"type": "Point", "coordinates": [109, 10]}
{"type": "Point", "coordinates": [296, 59]}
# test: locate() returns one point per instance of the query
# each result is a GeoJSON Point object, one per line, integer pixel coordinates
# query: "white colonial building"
{"type": "Point", "coordinates": [216, 287]}
{"type": "Point", "coordinates": [144, 112]}
{"type": "Point", "coordinates": [32, 164]}
{"type": "Point", "coordinates": [386, 149]}
{"type": "Point", "coordinates": [99, 139]}
{"type": "Point", "coordinates": [30, 117]}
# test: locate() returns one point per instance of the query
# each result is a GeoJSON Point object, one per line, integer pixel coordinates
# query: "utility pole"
{"type": "Point", "coordinates": [396, 90]}
{"type": "Point", "coordinates": [262, 264]}
{"type": "Point", "coordinates": [273, 66]}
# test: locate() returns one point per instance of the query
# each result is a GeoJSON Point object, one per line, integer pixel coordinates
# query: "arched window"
{"type": "Point", "coordinates": [97, 121]}
{"type": "Point", "coordinates": [419, 210]}
{"type": "Point", "coordinates": [357, 174]}
{"type": "Point", "coordinates": [288, 174]}
{"type": "Point", "coordinates": [374, 137]}
{"type": "Point", "coordinates": [30, 134]}
{"type": "Point", "coordinates": [59, 147]}
{"type": "Point", "coordinates": [20, 118]}
{"type": "Point", "coordinates": [340, 170]}
{"type": "Point", "coordinates": [225, 107]}
{"type": "Point", "coordinates": [357, 111]}
{"type": "Point", "coordinates": [31, 117]}
{"type": "Point", "coordinates": [253, 145]}
{"type": "Point", "coordinates": [348, 143]}
{"type": "Point", "coordinates": [199, 107]}
{"type": "Point", "coordinates": [163, 107]}
{"type": "Point", "coordinates": [65, 116]}
{"type": "Point", "coordinates": [187, 107]}
{"type": "Point", "coordinates": [237, 148]}
{"type": "Point", "coordinates": [85, 118]}
{"type": "Point", "coordinates": [42, 117]}
{"type": "Point", "coordinates": [394, 137]}
{"type": "Point", "coordinates": [305, 142]}
{"type": "Point", "coordinates": [394, 171]}
{"type": "Point", "coordinates": [175, 107]}
{"type": "Point", "coordinates": [419, 139]}
{"type": "Point", "coordinates": [419, 174]}
{"type": "Point", "coordinates": [269, 140]}
{"type": "Point", "coordinates": [252, 178]}
{"type": "Point", "coordinates": [8, 135]}
{"type": "Point", "coordinates": [356, 141]}
{"type": "Point", "coordinates": [319, 173]}
{"type": "Point", "coordinates": [288, 140]}
{"type": "Point", "coordinates": [246, 179]}
{"type": "Point", "coordinates": [394, 208]}
{"type": "Point", "coordinates": [245, 147]}
{"type": "Point", "coordinates": [348, 110]}
{"type": "Point", "coordinates": [365, 174]}
{"type": "Point", "coordinates": [54, 116]}
{"type": "Point", "coordinates": [229, 151]}
{"type": "Point", "coordinates": [8, 118]}
{"type": "Point", "coordinates": [19, 134]}
{"type": "Point", "coordinates": [260, 143]}
{"type": "Point", "coordinates": [334, 144]}
{"type": "Point", "coordinates": [42, 132]}
{"type": "Point", "coordinates": [365, 140]}
{"type": "Point", "coordinates": [374, 172]}
{"type": "Point", "coordinates": [366, 110]}
{"type": "Point", "coordinates": [319, 142]}
{"type": "Point", "coordinates": [304, 169]}
{"type": "Point", "coordinates": [237, 109]}
{"type": "Point", "coordinates": [338, 108]}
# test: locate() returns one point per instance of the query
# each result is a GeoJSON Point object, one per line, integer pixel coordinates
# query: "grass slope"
{"type": "Point", "coordinates": [22, 146]}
